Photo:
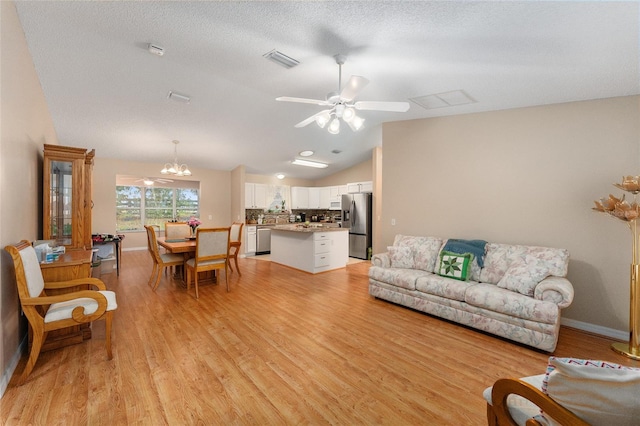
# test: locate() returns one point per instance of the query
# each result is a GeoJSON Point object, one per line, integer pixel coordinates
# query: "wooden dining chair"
{"type": "Point", "coordinates": [212, 253]}
{"type": "Point", "coordinates": [176, 230]}
{"type": "Point", "coordinates": [160, 260]}
{"type": "Point", "coordinates": [46, 312]}
{"type": "Point", "coordinates": [235, 241]}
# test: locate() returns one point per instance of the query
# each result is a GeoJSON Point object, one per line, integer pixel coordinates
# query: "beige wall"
{"type": "Point", "coordinates": [362, 172]}
{"type": "Point", "coordinates": [215, 195]}
{"type": "Point", "coordinates": [524, 176]}
{"type": "Point", "coordinates": [25, 126]}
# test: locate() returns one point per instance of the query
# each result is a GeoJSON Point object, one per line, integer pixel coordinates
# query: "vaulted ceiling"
{"type": "Point", "coordinates": [105, 90]}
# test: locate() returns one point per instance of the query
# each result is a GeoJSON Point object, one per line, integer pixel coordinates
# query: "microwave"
{"type": "Point", "coordinates": [334, 205]}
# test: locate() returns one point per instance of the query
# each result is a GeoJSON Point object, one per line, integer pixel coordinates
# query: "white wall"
{"type": "Point", "coordinates": [26, 126]}
{"type": "Point", "coordinates": [523, 176]}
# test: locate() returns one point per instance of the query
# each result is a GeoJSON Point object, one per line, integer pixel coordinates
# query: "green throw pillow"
{"type": "Point", "coordinates": [455, 265]}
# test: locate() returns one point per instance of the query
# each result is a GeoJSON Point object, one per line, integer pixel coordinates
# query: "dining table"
{"type": "Point", "coordinates": [178, 245]}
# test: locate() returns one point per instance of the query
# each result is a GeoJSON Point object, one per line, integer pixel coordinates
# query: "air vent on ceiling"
{"type": "Point", "coordinates": [155, 49]}
{"type": "Point", "coordinates": [281, 59]}
{"type": "Point", "coordinates": [443, 100]}
{"type": "Point", "coordinates": [178, 97]}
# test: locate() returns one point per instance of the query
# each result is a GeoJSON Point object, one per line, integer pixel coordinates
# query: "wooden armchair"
{"type": "Point", "coordinates": [46, 313]}
{"type": "Point", "coordinates": [501, 411]}
{"type": "Point", "coordinates": [235, 241]}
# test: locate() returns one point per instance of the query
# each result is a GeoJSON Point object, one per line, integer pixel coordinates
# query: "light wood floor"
{"type": "Point", "coordinates": [283, 347]}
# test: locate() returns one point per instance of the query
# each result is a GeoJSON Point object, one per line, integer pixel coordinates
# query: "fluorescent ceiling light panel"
{"type": "Point", "coordinates": [281, 59]}
{"type": "Point", "coordinates": [307, 163]}
{"type": "Point", "coordinates": [443, 100]}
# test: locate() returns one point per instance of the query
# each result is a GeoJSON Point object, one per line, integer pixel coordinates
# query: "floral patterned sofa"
{"type": "Point", "coordinates": [512, 291]}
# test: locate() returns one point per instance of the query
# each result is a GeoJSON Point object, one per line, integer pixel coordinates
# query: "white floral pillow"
{"type": "Point", "coordinates": [524, 275]}
{"type": "Point", "coordinates": [401, 257]}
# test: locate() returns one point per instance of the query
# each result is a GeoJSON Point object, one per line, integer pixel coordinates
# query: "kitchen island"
{"type": "Point", "coordinates": [312, 249]}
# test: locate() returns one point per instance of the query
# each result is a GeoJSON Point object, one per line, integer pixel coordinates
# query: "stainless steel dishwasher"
{"type": "Point", "coordinates": [263, 241]}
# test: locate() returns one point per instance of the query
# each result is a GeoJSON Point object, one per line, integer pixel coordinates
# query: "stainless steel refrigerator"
{"type": "Point", "coordinates": [356, 215]}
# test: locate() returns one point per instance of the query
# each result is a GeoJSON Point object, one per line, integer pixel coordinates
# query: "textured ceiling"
{"type": "Point", "coordinates": [105, 91]}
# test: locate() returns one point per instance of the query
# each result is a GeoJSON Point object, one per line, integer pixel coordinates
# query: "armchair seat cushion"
{"type": "Point", "coordinates": [63, 310]}
{"type": "Point", "coordinates": [521, 409]}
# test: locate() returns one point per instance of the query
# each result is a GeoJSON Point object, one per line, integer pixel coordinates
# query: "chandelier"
{"type": "Point", "coordinates": [175, 169]}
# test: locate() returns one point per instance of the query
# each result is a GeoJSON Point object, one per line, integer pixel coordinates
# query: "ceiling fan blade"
{"type": "Point", "coordinates": [303, 100]}
{"type": "Point", "coordinates": [382, 106]}
{"type": "Point", "coordinates": [355, 84]}
{"type": "Point", "coordinates": [311, 119]}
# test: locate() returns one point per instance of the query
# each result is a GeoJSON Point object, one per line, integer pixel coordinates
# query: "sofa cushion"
{"type": "Point", "coordinates": [405, 278]}
{"type": "Point", "coordinates": [424, 250]}
{"type": "Point", "coordinates": [454, 265]}
{"type": "Point", "coordinates": [499, 258]}
{"type": "Point", "coordinates": [494, 298]}
{"type": "Point", "coordinates": [401, 257]}
{"type": "Point", "coordinates": [524, 275]}
{"type": "Point", "coordinates": [443, 287]}
{"type": "Point", "coordinates": [599, 392]}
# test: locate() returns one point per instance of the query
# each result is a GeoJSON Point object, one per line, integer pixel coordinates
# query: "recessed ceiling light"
{"type": "Point", "coordinates": [308, 163]}
{"type": "Point", "coordinates": [307, 153]}
{"type": "Point", "coordinates": [280, 176]}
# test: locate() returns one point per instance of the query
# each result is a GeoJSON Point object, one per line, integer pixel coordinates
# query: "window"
{"type": "Point", "coordinates": [138, 205]}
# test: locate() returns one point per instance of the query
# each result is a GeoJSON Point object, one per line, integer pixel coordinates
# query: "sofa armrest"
{"type": "Point", "coordinates": [555, 289]}
{"type": "Point", "coordinates": [381, 259]}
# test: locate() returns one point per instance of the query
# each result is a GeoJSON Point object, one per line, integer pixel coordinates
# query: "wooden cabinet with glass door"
{"type": "Point", "coordinates": [67, 195]}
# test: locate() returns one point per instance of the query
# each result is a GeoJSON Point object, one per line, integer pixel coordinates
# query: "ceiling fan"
{"type": "Point", "coordinates": [151, 181]}
{"type": "Point", "coordinates": [342, 106]}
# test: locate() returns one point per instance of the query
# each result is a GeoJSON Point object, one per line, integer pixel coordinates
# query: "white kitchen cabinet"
{"type": "Point", "coordinates": [255, 196]}
{"type": "Point", "coordinates": [325, 197]}
{"type": "Point", "coordinates": [250, 239]}
{"type": "Point", "coordinates": [299, 197]}
{"type": "Point", "coordinates": [359, 187]}
{"type": "Point", "coordinates": [314, 198]}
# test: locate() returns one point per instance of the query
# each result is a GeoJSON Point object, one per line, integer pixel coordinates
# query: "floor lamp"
{"type": "Point", "coordinates": [628, 212]}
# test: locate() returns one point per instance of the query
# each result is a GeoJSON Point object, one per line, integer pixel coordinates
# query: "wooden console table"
{"type": "Point", "coordinates": [71, 265]}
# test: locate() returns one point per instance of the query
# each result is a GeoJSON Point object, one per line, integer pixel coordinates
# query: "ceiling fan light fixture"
{"type": "Point", "coordinates": [348, 114]}
{"type": "Point", "coordinates": [280, 176]}
{"type": "Point", "coordinates": [308, 163]}
{"type": "Point", "coordinates": [356, 123]}
{"type": "Point", "coordinates": [323, 119]}
{"type": "Point", "coordinates": [147, 182]}
{"type": "Point", "coordinates": [334, 127]}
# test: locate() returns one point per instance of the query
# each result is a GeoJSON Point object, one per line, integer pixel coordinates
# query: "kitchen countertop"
{"type": "Point", "coordinates": [311, 228]}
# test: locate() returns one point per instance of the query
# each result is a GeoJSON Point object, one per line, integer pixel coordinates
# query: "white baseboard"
{"type": "Point", "coordinates": [8, 373]}
{"type": "Point", "coordinates": [596, 329]}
